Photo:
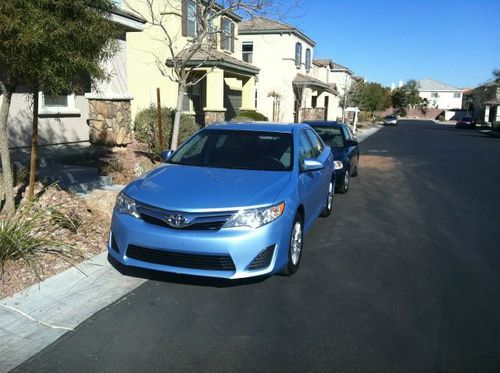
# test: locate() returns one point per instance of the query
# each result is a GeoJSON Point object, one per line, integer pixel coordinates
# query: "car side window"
{"type": "Point", "coordinates": [349, 132]}
{"type": "Point", "coordinates": [316, 142]}
{"type": "Point", "coordinates": [347, 135]}
{"type": "Point", "coordinates": [305, 149]}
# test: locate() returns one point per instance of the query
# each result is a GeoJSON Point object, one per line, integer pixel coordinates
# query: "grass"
{"type": "Point", "coordinates": [24, 236]}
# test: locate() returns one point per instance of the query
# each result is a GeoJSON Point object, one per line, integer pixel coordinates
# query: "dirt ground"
{"type": "Point", "coordinates": [93, 212]}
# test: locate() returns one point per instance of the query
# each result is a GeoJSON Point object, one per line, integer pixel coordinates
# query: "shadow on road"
{"type": "Point", "coordinates": [181, 279]}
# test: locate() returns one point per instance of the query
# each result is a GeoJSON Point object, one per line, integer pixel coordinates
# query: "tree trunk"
{"type": "Point", "coordinates": [34, 144]}
{"type": "Point", "coordinates": [8, 182]}
{"type": "Point", "coordinates": [177, 118]}
{"type": "Point", "coordinates": [160, 125]}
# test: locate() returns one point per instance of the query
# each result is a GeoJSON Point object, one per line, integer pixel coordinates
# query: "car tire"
{"type": "Point", "coordinates": [295, 247]}
{"type": "Point", "coordinates": [344, 188]}
{"type": "Point", "coordinates": [356, 169]}
{"type": "Point", "coordinates": [327, 209]}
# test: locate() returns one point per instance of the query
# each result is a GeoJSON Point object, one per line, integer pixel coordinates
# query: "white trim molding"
{"type": "Point", "coordinates": [70, 109]}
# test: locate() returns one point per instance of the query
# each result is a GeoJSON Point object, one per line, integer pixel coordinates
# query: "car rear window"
{"type": "Point", "coordinates": [248, 150]}
{"type": "Point", "coordinates": [331, 136]}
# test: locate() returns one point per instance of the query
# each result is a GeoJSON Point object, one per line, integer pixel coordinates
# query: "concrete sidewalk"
{"type": "Point", "coordinates": [36, 317]}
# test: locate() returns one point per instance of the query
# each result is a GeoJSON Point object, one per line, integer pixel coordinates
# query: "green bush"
{"type": "Point", "coordinates": [146, 127]}
{"type": "Point", "coordinates": [255, 115]}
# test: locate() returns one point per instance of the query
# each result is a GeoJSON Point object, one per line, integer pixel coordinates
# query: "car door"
{"type": "Point", "coordinates": [352, 150]}
{"type": "Point", "coordinates": [309, 181]}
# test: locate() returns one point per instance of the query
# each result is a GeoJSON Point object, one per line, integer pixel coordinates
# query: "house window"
{"type": "Point", "coordinates": [308, 60]}
{"type": "Point", "coordinates": [212, 29]}
{"type": "Point", "coordinates": [57, 105]}
{"type": "Point", "coordinates": [456, 94]}
{"type": "Point", "coordinates": [298, 55]}
{"type": "Point", "coordinates": [256, 98]}
{"type": "Point", "coordinates": [434, 95]}
{"type": "Point", "coordinates": [227, 35]}
{"type": "Point", "coordinates": [191, 18]}
{"type": "Point", "coordinates": [247, 52]}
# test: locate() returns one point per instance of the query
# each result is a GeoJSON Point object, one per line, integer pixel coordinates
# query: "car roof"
{"type": "Point", "coordinates": [324, 123]}
{"type": "Point", "coordinates": [257, 126]}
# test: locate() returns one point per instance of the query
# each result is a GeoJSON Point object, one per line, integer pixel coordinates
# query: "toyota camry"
{"type": "Point", "coordinates": [234, 201]}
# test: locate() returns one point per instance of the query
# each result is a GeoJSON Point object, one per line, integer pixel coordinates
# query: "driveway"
{"type": "Point", "coordinates": [404, 276]}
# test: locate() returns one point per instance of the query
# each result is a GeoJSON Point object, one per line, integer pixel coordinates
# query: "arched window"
{"type": "Point", "coordinates": [298, 55]}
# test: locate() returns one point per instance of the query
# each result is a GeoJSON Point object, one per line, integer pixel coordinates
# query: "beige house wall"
{"type": "Point", "coordinates": [50, 130]}
{"type": "Point", "coordinates": [274, 54]}
{"type": "Point", "coordinates": [343, 80]}
{"type": "Point", "coordinates": [147, 55]}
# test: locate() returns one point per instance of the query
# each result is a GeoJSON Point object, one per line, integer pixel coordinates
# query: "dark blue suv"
{"type": "Point", "coordinates": [345, 150]}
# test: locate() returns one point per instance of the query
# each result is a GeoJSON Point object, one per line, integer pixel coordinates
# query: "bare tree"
{"type": "Point", "coordinates": [201, 44]}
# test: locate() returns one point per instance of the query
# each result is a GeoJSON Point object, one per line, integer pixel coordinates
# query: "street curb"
{"type": "Point", "coordinates": [36, 317]}
{"type": "Point", "coordinates": [369, 132]}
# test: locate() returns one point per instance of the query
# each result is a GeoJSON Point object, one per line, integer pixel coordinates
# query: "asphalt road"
{"type": "Point", "coordinates": [403, 277]}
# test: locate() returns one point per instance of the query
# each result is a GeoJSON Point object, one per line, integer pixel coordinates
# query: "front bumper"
{"type": "Point", "coordinates": [242, 245]}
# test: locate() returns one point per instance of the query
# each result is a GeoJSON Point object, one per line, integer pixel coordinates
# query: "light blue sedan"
{"type": "Point", "coordinates": [234, 201]}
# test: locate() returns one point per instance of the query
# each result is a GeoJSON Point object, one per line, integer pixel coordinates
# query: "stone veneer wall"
{"type": "Point", "coordinates": [313, 113]}
{"type": "Point", "coordinates": [214, 117]}
{"type": "Point", "coordinates": [110, 122]}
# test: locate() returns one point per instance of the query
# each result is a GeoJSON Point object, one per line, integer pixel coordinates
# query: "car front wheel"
{"type": "Point", "coordinates": [327, 210]}
{"type": "Point", "coordinates": [295, 247]}
{"type": "Point", "coordinates": [344, 188]}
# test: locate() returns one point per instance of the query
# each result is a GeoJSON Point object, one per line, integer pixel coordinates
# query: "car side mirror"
{"type": "Point", "coordinates": [311, 165]}
{"type": "Point", "coordinates": [166, 155]}
{"type": "Point", "coordinates": [352, 143]}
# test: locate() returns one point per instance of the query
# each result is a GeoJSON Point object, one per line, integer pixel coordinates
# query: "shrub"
{"type": "Point", "coordinates": [24, 236]}
{"type": "Point", "coordinates": [241, 119]}
{"type": "Point", "coordinates": [146, 127]}
{"type": "Point", "coordinates": [255, 115]}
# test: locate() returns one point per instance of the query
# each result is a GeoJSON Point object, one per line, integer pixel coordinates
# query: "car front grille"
{"type": "Point", "coordinates": [182, 260]}
{"type": "Point", "coordinates": [263, 259]}
{"type": "Point", "coordinates": [198, 221]}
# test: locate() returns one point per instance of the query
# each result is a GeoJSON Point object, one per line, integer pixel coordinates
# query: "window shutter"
{"type": "Point", "coordinates": [232, 37]}
{"type": "Point", "coordinates": [184, 17]}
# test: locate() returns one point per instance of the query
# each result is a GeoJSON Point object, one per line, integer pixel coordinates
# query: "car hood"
{"type": "Point", "coordinates": [197, 189]}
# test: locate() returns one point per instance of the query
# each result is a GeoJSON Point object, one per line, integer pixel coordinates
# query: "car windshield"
{"type": "Point", "coordinates": [247, 150]}
{"type": "Point", "coordinates": [331, 136]}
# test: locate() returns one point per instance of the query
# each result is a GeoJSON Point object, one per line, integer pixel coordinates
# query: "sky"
{"type": "Point", "coordinates": [453, 41]}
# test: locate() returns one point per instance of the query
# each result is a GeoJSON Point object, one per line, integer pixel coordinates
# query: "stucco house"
{"type": "Point", "coordinates": [483, 101]}
{"type": "Point", "coordinates": [290, 86]}
{"type": "Point", "coordinates": [440, 95]}
{"type": "Point", "coordinates": [343, 78]}
{"type": "Point", "coordinates": [226, 82]}
{"type": "Point", "coordinates": [101, 116]}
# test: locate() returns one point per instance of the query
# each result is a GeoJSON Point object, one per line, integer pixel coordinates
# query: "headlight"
{"type": "Point", "coordinates": [126, 205]}
{"type": "Point", "coordinates": [255, 218]}
{"type": "Point", "coordinates": [338, 165]}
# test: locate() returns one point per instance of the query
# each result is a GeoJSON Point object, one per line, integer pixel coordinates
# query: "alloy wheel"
{"type": "Point", "coordinates": [296, 243]}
